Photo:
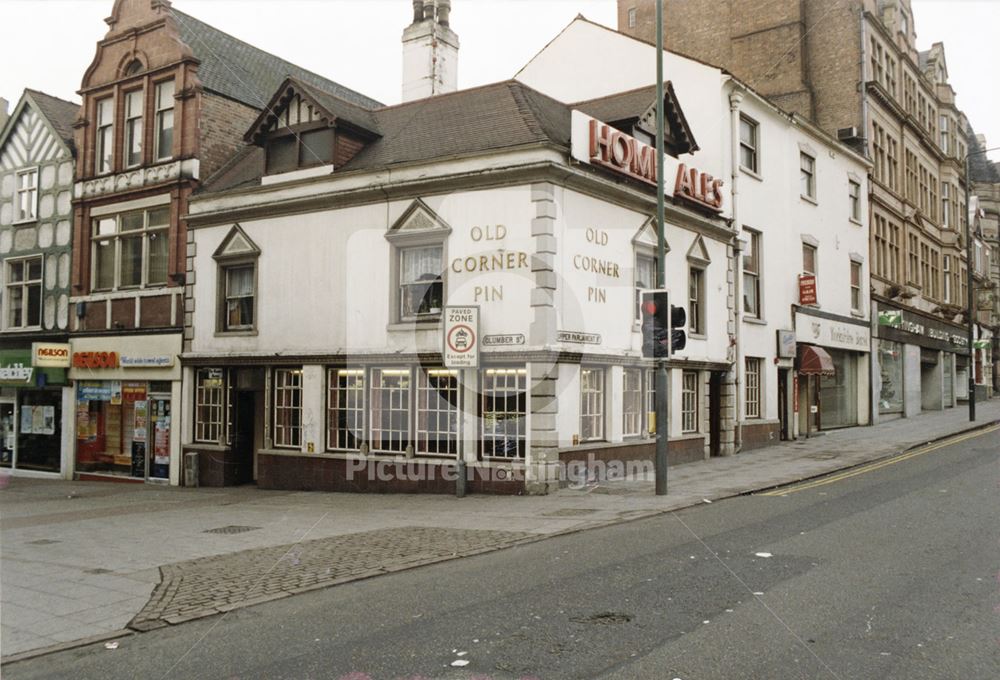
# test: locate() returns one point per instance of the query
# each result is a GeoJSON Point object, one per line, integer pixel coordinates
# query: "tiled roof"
{"type": "Point", "coordinates": [59, 112]}
{"type": "Point", "coordinates": [245, 73]}
{"type": "Point", "coordinates": [340, 107]}
{"type": "Point", "coordinates": [493, 117]}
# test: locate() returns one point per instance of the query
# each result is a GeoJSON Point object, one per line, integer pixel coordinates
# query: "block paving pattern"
{"type": "Point", "coordinates": [212, 585]}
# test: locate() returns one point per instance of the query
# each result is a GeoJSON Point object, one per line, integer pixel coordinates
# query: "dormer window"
{"type": "Point", "coordinates": [289, 150]}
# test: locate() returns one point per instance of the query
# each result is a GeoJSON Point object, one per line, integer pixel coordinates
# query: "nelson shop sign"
{"type": "Point", "coordinates": [598, 143]}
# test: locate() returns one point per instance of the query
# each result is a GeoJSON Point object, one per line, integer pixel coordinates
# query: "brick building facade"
{"type": "Point", "coordinates": [166, 101]}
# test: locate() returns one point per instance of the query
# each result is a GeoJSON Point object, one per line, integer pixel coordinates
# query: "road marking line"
{"type": "Point", "coordinates": [878, 465]}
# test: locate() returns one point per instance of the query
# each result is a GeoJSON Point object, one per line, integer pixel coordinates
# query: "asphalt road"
{"type": "Point", "coordinates": [888, 574]}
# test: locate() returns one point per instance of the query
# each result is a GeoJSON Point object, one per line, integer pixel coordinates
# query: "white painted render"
{"type": "Point", "coordinates": [587, 60]}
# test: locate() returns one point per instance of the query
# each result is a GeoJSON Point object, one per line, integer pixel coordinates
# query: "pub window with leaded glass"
{"type": "Point", "coordinates": [287, 397]}
{"type": "Point", "coordinates": [211, 405]}
{"type": "Point", "coordinates": [390, 410]}
{"type": "Point", "coordinates": [503, 413]}
{"type": "Point", "coordinates": [438, 412]}
{"type": "Point", "coordinates": [345, 408]}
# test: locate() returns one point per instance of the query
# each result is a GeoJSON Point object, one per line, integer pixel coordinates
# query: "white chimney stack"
{"type": "Point", "coordinates": [430, 51]}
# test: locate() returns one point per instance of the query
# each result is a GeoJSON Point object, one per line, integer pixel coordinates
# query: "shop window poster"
{"type": "Point", "coordinates": [38, 419]}
{"type": "Point", "coordinates": [140, 421]}
{"type": "Point", "coordinates": [116, 392]}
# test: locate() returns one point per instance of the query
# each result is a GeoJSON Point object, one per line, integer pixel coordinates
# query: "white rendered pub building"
{"type": "Point", "coordinates": [800, 338]}
{"type": "Point", "coordinates": [321, 259]}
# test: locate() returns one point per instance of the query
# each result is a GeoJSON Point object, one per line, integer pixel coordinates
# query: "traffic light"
{"type": "Point", "coordinates": [678, 324]}
{"type": "Point", "coordinates": [655, 324]}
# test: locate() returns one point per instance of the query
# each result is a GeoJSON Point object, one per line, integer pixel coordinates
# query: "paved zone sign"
{"type": "Point", "coordinates": [461, 337]}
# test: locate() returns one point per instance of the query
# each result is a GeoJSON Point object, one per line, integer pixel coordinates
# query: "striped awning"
{"type": "Point", "coordinates": [815, 361]}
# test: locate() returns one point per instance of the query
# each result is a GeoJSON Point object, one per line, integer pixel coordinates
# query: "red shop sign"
{"type": "Point", "coordinates": [95, 359]}
{"type": "Point", "coordinates": [807, 289]}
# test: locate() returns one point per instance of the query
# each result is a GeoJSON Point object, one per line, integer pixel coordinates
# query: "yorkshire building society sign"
{"type": "Point", "coordinates": [461, 337]}
{"type": "Point", "coordinates": [825, 332]}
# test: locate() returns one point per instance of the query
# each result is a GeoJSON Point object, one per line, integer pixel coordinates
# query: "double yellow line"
{"type": "Point", "coordinates": [869, 467]}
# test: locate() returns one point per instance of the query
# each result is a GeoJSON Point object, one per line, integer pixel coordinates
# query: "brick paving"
{"type": "Point", "coordinates": [212, 585]}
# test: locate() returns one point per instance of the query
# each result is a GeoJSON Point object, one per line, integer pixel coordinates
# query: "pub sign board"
{"type": "Point", "coordinates": [461, 336]}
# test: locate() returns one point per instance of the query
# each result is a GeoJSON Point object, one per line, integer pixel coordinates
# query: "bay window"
{"type": "Point", "coordinates": [130, 249]}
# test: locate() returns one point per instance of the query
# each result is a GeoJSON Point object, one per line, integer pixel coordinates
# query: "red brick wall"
{"type": "Point", "coordinates": [347, 146]}
{"type": "Point", "coordinates": [759, 435]}
{"type": "Point", "coordinates": [312, 473]}
{"type": "Point", "coordinates": [223, 124]}
{"type": "Point", "coordinates": [155, 311]}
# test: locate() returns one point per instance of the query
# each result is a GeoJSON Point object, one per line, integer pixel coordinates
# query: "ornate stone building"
{"type": "Point", "coordinates": [166, 101]}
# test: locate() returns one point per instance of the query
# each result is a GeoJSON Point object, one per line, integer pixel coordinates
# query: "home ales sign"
{"type": "Point", "coordinates": [600, 144]}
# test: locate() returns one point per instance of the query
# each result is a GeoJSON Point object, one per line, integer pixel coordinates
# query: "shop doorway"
{"type": "Point", "coordinates": [8, 437]}
{"type": "Point", "coordinates": [715, 413]}
{"type": "Point", "coordinates": [243, 445]}
{"type": "Point", "coordinates": [783, 404]}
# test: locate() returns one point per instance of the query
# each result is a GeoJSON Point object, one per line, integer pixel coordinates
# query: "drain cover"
{"type": "Point", "coordinates": [43, 541]}
{"type": "Point", "coordinates": [231, 529]}
{"type": "Point", "coordinates": [569, 512]}
{"type": "Point", "coordinates": [604, 618]}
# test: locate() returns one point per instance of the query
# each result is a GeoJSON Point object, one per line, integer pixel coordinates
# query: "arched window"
{"type": "Point", "coordinates": [134, 66]}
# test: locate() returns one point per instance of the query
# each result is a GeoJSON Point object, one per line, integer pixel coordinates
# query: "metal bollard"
{"type": "Point", "coordinates": [460, 479]}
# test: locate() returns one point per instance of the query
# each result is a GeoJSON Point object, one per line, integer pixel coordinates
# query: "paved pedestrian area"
{"type": "Point", "coordinates": [213, 585]}
{"type": "Point", "coordinates": [84, 559]}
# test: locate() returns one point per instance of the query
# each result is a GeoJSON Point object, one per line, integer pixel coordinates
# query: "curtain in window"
{"type": "Point", "coordinates": [240, 282]}
{"type": "Point", "coordinates": [421, 264]}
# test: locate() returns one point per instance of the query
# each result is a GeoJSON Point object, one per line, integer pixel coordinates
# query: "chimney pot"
{"type": "Point", "coordinates": [444, 11]}
{"type": "Point", "coordinates": [418, 11]}
{"type": "Point", "coordinates": [428, 10]}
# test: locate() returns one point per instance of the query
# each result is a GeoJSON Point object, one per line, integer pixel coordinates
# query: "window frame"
{"type": "Point", "coordinates": [356, 411]}
{"type": "Point", "coordinates": [489, 389]}
{"type": "Point", "coordinates": [810, 248]}
{"type": "Point", "coordinates": [752, 148]}
{"type": "Point", "coordinates": [752, 368]}
{"type": "Point", "coordinates": [33, 191]}
{"type": "Point", "coordinates": [423, 414]}
{"type": "Point", "coordinates": [219, 408]}
{"type": "Point", "coordinates": [697, 276]}
{"type": "Point", "coordinates": [807, 175]}
{"type": "Point", "coordinates": [631, 16]}
{"type": "Point", "coordinates": [292, 390]}
{"type": "Point", "coordinates": [104, 136]}
{"type": "Point", "coordinates": [405, 437]}
{"type": "Point", "coordinates": [855, 283]}
{"type": "Point", "coordinates": [159, 114]}
{"type": "Point", "coordinates": [296, 133]}
{"type": "Point", "coordinates": [753, 245]}
{"type": "Point", "coordinates": [643, 254]}
{"type": "Point", "coordinates": [133, 128]}
{"type": "Point", "coordinates": [632, 420]}
{"type": "Point", "coordinates": [593, 404]}
{"type": "Point", "coordinates": [225, 266]}
{"type": "Point", "coordinates": [854, 200]}
{"type": "Point", "coordinates": [146, 233]}
{"type": "Point", "coordinates": [25, 285]}
{"type": "Point", "coordinates": [690, 400]}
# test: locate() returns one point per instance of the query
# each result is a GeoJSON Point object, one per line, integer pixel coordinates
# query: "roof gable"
{"type": "Point", "coordinates": [296, 102]}
{"type": "Point", "coordinates": [31, 136]}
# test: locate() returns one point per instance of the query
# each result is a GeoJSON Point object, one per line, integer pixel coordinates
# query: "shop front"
{"type": "Point", "coordinates": [32, 411]}
{"type": "Point", "coordinates": [921, 363]}
{"type": "Point", "coordinates": [126, 389]}
{"type": "Point", "coordinates": [833, 356]}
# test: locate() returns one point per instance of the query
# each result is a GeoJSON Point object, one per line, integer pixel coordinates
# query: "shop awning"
{"type": "Point", "coordinates": [815, 361]}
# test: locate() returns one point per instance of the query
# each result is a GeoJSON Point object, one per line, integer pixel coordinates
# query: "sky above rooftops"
{"type": "Point", "coordinates": [357, 42]}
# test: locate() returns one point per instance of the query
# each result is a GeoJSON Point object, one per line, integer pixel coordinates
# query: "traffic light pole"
{"type": "Point", "coordinates": [662, 414]}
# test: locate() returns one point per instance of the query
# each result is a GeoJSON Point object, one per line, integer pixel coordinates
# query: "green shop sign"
{"type": "Point", "coordinates": [981, 344]}
{"type": "Point", "coordinates": [890, 318]}
{"type": "Point", "coordinates": [16, 371]}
